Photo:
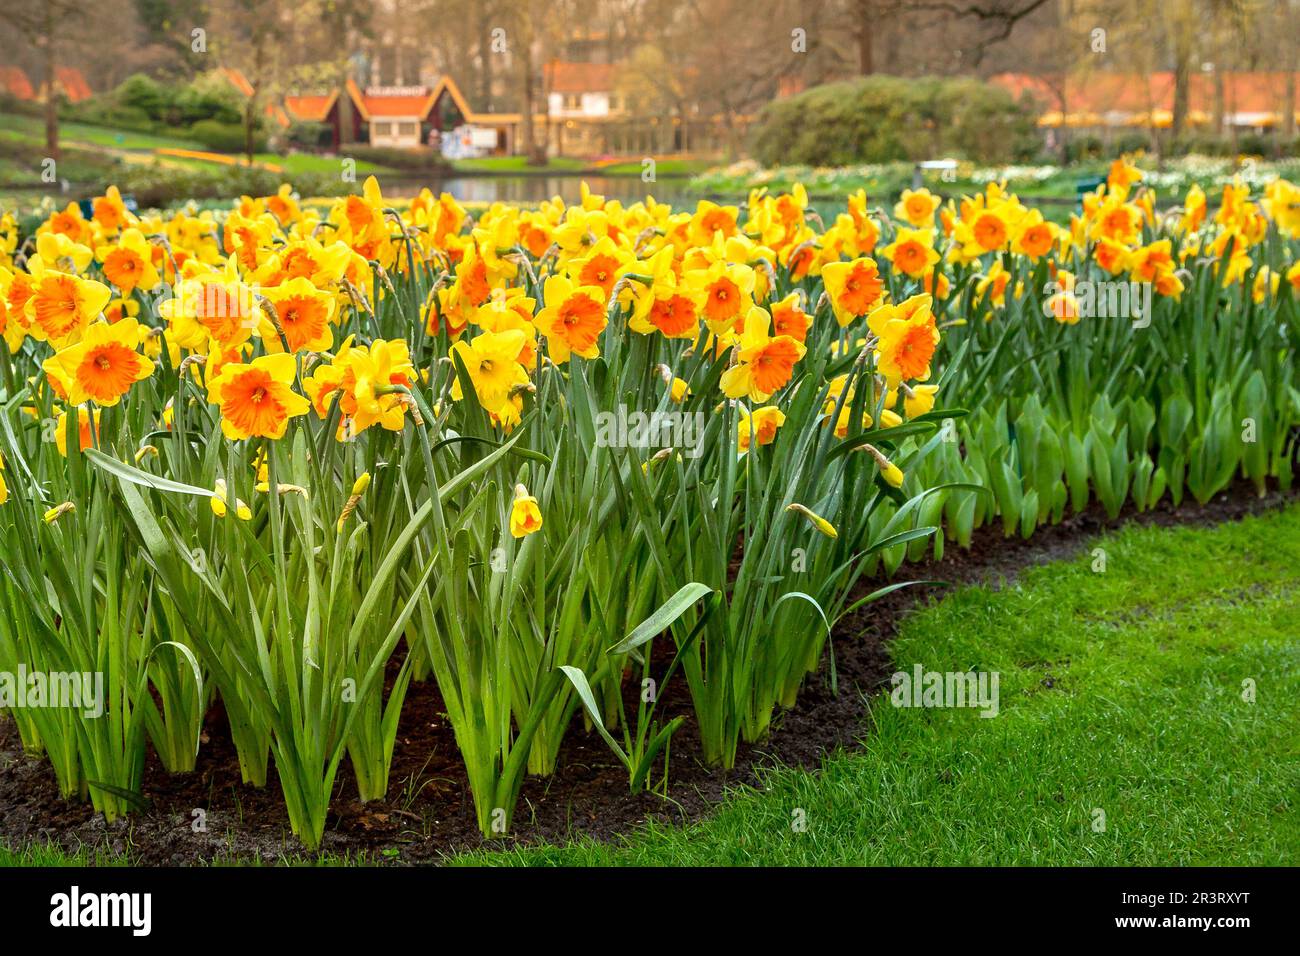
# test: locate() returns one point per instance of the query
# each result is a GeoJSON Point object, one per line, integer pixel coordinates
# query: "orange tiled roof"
{"type": "Point", "coordinates": [1105, 92]}
{"type": "Point", "coordinates": [398, 105]}
{"type": "Point", "coordinates": [73, 83]}
{"type": "Point", "coordinates": [448, 85]}
{"type": "Point", "coordinates": [311, 108]}
{"type": "Point", "coordinates": [562, 77]}
{"type": "Point", "coordinates": [14, 82]}
{"type": "Point", "coordinates": [401, 106]}
{"type": "Point", "coordinates": [279, 115]}
{"type": "Point", "coordinates": [789, 85]}
{"type": "Point", "coordinates": [315, 107]}
{"type": "Point", "coordinates": [358, 100]}
{"type": "Point", "coordinates": [237, 80]}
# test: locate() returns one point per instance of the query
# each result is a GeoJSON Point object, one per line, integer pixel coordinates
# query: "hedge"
{"type": "Point", "coordinates": [226, 137]}
{"type": "Point", "coordinates": [880, 119]}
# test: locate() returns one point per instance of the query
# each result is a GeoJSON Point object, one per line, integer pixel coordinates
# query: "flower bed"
{"type": "Point", "coordinates": [566, 462]}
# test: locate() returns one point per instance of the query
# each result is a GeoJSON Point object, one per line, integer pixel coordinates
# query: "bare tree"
{"type": "Point", "coordinates": [49, 27]}
{"type": "Point", "coordinates": [247, 35]}
{"type": "Point", "coordinates": [984, 22]}
{"type": "Point", "coordinates": [1287, 25]}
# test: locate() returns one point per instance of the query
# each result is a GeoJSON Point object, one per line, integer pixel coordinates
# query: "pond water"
{"type": "Point", "coordinates": [534, 189]}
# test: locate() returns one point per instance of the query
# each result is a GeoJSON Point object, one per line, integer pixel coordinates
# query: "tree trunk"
{"type": "Point", "coordinates": [1219, 106]}
{"type": "Point", "coordinates": [51, 96]}
{"type": "Point", "coordinates": [866, 65]}
{"type": "Point", "coordinates": [544, 149]}
{"type": "Point", "coordinates": [486, 55]}
{"type": "Point", "coordinates": [1062, 131]}
{"type": "Point", "coordinates": [534, 152]}
{"type": "Point", "coordinates": [887, 62]}
{"type": "Point", "coordinates": [346, 122]}
{"type": "Point", "coordinates": [530, 144]}
{"type": "Point", "coordinates": [250, 112]}
{"type": "Point", "coordinates": [863, 34]}
{"type": "Point", "coordinates": [1182, 83]}
{"type": "Point", "coordinates": [1288, 97]}
{"type": "Point", "coordinates": [250, 108]}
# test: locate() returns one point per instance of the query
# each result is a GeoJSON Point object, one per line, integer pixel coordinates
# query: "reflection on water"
{"type": "Point", "coordinates": [530, 190]}
{"type": "Point", "coordinates": [534, 189]}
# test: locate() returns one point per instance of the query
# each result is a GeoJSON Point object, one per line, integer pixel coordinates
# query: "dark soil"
{"type": "Point", "coordinates": [429, 813]}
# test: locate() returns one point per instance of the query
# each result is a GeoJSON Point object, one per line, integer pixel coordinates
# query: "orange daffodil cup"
{"type": "Point", "coordinates": [128, 263]}
{"type": "Point", "coordinates": [572, 319]}
{"type": "Point", "coordinates": [256, 399]}
{"type": "Point", "coordinates": [906, 340]}
{"type": "Point", "coordinates": [764, 363]}
{"type": "Point", "coordinates": [855, 288]}
{"type": "Point", "coordinates": [62, 305]}
{"type": "Point", "coordinates": [102, 366]}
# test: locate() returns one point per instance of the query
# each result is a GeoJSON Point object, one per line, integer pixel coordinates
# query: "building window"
{"type": "Point", "coordinates": [572, 101]}
{"type": "Point", "coordinates": [408, 130]}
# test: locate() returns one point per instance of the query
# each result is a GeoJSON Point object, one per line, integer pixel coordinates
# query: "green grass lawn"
{"type": "Point", "coordinates": [1120, 691]}
{"type": "Point", "coordinates": [1144, 720]}
{"type": "Point", "coordinates": [517, 164]}
{"type": "Point", "coordinates": [567, 164]}
{"type": "Point", "coordinates": [663, 167]}
{"type": "Point", "coordinates": [30, 130]}
{"type": "Point", "coordinates": [22, 165]}
{"type": "Point", "coordinates": [297, 163]}
{"type": "Point", "coordinates": [33, 127]}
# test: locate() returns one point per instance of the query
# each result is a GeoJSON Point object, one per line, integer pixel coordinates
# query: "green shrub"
{"type": "Point", "coordinates": [410, 160]}
{"type": "Point", "coordinates": [11, 104]}
{"type": "Point", "coordinates": [225, 137]}
{"type": "Point", "coordinates": [144, 104]}
{"type": "Point", "coordinates": [194, 104]}
{"type": "Point", "coordinates": [879, 119]}
{"type": "Point", "coordinates": [144, 94]}
{"type": "Point", "coordinates": [1194, 142]}
{"type": "Point", "coordinates": [105, 110]}
{"type": "Point", "coordinates": [1082, 148]}
{"type": "Point", "coordinates": [20, 165]}
{"type": "Point", "coordinates": [1256, 144]}
{"type": "Point", "coordinates": [1129, 142]}
{"type": "Point", "coordinates": [156, 186]}
{"type": "Point", "coordinates": [310, 135]}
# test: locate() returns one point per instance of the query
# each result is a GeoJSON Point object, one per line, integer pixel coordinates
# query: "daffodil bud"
{"type": "Point", "coordinates": [58, 511]}
{"type": "Point", "coordinates": [888, 470]}
{"type": "Point", "coordinates": [220, 503]}
{"type": "Point", "coordinates": [816, 520]}
{"type": "Point", "coordinates": [264, 487]}
{"type": "Point", "coordinates": [358, 489]}
{"type": "Point", "coordinates": [918, 399]}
